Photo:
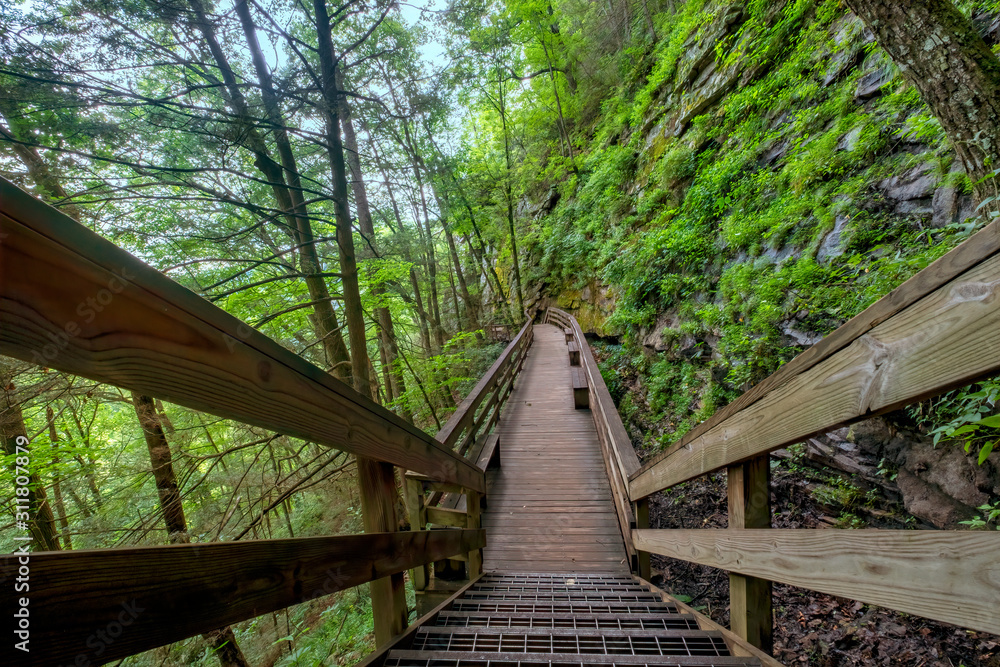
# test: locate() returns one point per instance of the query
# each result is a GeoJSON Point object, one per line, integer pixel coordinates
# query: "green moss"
{"type": "Point", "coordinates": [696, 223]}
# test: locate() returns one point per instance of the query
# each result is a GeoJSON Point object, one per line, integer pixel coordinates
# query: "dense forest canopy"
{"type": "Point", "coordinates": [714, 184]}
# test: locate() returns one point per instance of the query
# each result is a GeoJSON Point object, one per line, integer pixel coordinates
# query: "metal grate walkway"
{"type": "Point", "coordinates": [562, 620]}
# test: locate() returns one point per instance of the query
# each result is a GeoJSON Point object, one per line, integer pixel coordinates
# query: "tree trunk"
{"type": "Point", "coordinates": [422, 318]}
{"type": "Point", "coordinates": [56, 485]}
{"type": "Point", "coordinates": [163, 469]}
{"type": "Point", "coordinates": [41, 523]}
{"type": "Point", "coordinates": [480, 252]}
{"type": "Point", "coordinates": [388, 348]}
{"type": "Point", "coordinates": [940, 53]}
{"type": "Point", "coordinates": [431, 256]}
{"type": "Point", "coordinates": [338, 170]}
{"type": "Point", "coordinates": [472, 319]}
{"type": "Point", "coordinates": [289, 199]}
{"type": "Point", "coordinates": [376, 480]}
{"type": "Point", "coordinates": [223, 641]}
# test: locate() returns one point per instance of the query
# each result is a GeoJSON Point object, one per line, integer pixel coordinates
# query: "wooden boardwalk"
{"type": "Point", "coordinates": [549, 504]}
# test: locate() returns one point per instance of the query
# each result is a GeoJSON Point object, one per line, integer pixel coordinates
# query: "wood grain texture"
{"type": "Point", "coordinates": [73, 301]}
{"type": "Point", "coordinates": [618, 454]}
{"type": "Point", "coordinates": [949, 338]}
{"type": "Point", "coordinates": [979, 247]}
{"type": "Point", "coordinates": [750, 613]}
{"type": "Point", "coordinates": [950, 576]}
{"type": "Point", "coordinates": [550, 504]}
{"type": "Point", "coordinates": [605, 413]}
{"type": "Point", "coordinates": [378, 496]}
{"type": "Point", "coordinates": [146, 597]}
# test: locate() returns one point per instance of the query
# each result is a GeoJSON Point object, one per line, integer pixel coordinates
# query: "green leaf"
{"type": "Point", "coordinates": [991, 422]}
{"type": "Point", "coordinates": [985, 451]}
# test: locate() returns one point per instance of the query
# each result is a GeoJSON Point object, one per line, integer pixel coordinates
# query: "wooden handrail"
{"type": "Point", "coordinates": [938, 331]}
{"type": "Point", "coordinates": [474, 418]}
{"type": "Point", "coordinates": [111, 603]}
{"type": "Point", "coordinates": [949, 576]}
{"type": "Point", "coordinates": [465, 413]}
{"type": "Point", "coordinates": [73, 301]}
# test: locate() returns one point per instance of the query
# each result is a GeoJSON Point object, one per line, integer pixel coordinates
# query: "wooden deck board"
{"type": "Point", "coordinates": [550, 505]}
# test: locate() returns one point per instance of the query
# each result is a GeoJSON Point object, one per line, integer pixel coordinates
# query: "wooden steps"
{"type": "Point", "coordinates": [569, 619]}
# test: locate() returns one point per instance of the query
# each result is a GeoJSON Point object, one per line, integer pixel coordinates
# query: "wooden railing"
{"type": "Point", "coordinates": [938, 331]}
{"type": "Point", "coordinates": [72, 301]}
{"type": "Point", "coordinates": [619, 456]}
{"type": "Point", "coordinates": [470, 432]}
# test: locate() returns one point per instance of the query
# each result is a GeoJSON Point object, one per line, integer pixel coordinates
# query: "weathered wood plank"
{"type": "Point", "coordinates": [474, 517]}
{"type": "Point", "coordinates": [949, 338]}
{"type": "Point", "coordinates": [950, 576]}
{"type": "Point", "coordinates": [976, 249]}
{"type": "Point", "coordinates": [414, 499]}
{"type": "Point", "coordinates": [606, 414]}
{"type": "Point", "coordinates": [443, 516]}
{"type": "Point", "coordinates": [377, 493]}
{"type": "Point", "coordinates": [146, 597]}
{"type": "Point", "coordinates": [616, 447]}
{"type": "Point", "coordinates": [750, 614]}
{"type": "Point", "coordinates": [73, 301]}
{"type": "Point", "coordinates": [550, 502]}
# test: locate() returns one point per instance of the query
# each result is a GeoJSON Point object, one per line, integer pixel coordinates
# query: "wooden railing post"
{"type": "Point", "coordinates": [474, 521]}
{"type": "Point", "coordinates": [377, 484]}
{"type": "Point", "coordinates": [640, 509]}
{"type": "Point", "coordinates": [415, 507]}
{"type": "Point", "coordinates": [750, 615]}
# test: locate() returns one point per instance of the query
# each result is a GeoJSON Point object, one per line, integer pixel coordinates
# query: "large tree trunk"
{"type": "Point", "coordinates": [163, 469]}
{"type": "Point", "coordinates": [223, 640]}
{"type": "Point", "coordinates": [939, 51]}
{"type": "Point", "coordinates": [345, 233]}
{"type": "Point", "coordinates": [376, 480]}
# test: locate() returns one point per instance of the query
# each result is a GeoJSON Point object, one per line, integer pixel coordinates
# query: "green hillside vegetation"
{"type": "Point", "coordinates": [709, 186]}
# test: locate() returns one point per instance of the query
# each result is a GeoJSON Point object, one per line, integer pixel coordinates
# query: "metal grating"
{"type": "Point", "coordinates": [421, 659]}
{"type": "Point", "coordinates": [563, 620]}
{"type": "Point", "coordinates": [577, 622]}
{"type": "Point", "coordinates": [690, 644]}
{"type": "Point", "coordinates": [582, 595]}
{"type": "Point", "coordinates": [506, 607]}
{"type": "Point", "coordinates": [561, 588]}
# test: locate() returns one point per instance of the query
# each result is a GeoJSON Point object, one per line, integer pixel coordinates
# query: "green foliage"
{"type": "Point", "coordinates": [990, 515]}
{"type": "Point", "coordinates": [966, 415]}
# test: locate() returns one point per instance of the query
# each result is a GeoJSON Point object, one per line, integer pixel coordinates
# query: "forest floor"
{"type": "Point", "coordinates": [810, 628]}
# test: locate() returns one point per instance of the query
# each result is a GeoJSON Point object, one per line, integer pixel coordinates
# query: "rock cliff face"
{"type": "Point", "coordinates": [939, 485]}
{"type": "Point", "coordinates": [768, 176]}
